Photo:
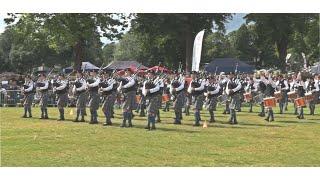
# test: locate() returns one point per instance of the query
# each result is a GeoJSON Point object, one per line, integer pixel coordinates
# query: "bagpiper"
{"type": "Point", "coordinates": [196, 89]}
{"type": "Point", "coordinates": [94, 98]}
{"type": "Point", "coordinates": [79, 91]}
{"type": "Point", "coordinates": [211, 94]}
{"type": "Point", "coordinates": [60, 87]}
{"type": "Point", "coordinates": [43, 87]}
{"type": "Point", "coordinates": [28, 92]}
{"type": "Point", "coordinates": [108, 89]}
{"type": "Point", "coordinates": [232, 89]}
{"type": "Point", "coordinates": [177, 87]}
{"type": "Point", "coordinates": [151, 90]}
{"type": "Point", "coordinates": [127, 87]}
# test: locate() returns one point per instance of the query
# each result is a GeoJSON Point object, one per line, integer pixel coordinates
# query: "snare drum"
{"type": "Point", "coordinates": [292, 95]}
{"type": "Point", "coordinates": [300, 102]}
{"type": "Point", "coordinates": [165, 98]}
{"type": "Point", "coordinates": [247, 97]}
{"type": "Point", "coordinates": [278, 95]}
{"type": "Point", "coordinates": [269, 102]}
{"type": "Point", "coordinates": [309, 97]}
{"type": "Point", "coordinates": [138, 98]}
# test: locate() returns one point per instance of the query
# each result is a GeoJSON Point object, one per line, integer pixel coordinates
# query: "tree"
{"type": "Point", "coordinates": [278, 28]}
{"type": "Point", "coordinates": [181, 28]}
{"type": "Point", "coordinates": [108, 52]}
{"type": "Point", "coordinates": [217, 45]}
{"type": "Point", "coordinates": [71, 30]}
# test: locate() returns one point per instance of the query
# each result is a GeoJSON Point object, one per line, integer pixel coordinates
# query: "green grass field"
{"type": "Point", "coordinates": [254, 142]}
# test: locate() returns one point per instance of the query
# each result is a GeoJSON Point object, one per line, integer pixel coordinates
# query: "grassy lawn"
{"type": "Point", "coordinates": [254, 142]}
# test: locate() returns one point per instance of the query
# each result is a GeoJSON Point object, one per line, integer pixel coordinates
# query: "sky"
{"type": "Point", "coordinates": [234, 24]}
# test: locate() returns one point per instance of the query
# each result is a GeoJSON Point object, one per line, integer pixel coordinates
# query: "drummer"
{"type": "Point", "coordinates": [251, 88]}
{"type": "Point", "coordinates": [293, 88]}
{"type": "Point", "coordinates": [282, 85]}
{"type": "Point", "coordinates": [269, 92]}
{"type": "Point", "coordinates": [301, 89]}
{"type": "Point", "coordinates": [313, 87]}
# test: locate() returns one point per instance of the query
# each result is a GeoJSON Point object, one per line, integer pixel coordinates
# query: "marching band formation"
{"type": "Point", "coordinates": [145, 94]}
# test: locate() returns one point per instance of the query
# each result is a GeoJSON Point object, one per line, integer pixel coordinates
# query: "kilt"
{"type": "Point", "coordinates": [212, 103]}
{"type": "Point", "coordinates": [129, 101]}
{"type": "Point", "coordinates": [44, 99]}
{"type": "Point", "coordinates": [198, 102]}
{"type": "Point", "coordinates": [179, 101]}
{"type": "Point", "coordinates": [235, 100]}
{"type": "Point", "coordinates": [28, 98]}
{"type": "Point", "coordinates": [108, 104]}
{"type": "Point", "coordinates": [62, 100]}
{"type": "Point", "coordinates": [152, 105]}
{"type": "Point", "coordinates": [94, 100]}
{"type": "Point", "coordinates": [159, 100]}
{"type": "Point", "coordinates": [81, 100]}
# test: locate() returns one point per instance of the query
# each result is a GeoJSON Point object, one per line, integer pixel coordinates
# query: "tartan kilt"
{"type": "Point", "coordinates": [94, 100]}
{"type": "Point", "coordinates": [81, 100]}
{"type": "Point", "coordinates": [27, 101]}
{"type": "Point", "coordinates": [235, 100]}
{"type": "Point", "coordinates": [129, 101]}
{"type": "Point", "coordinates": [179, 101]}
{"type": "Point", "coordinates": [212, 103]}
{"type": "Point", "coordinates": [44, 99]}
{"type": "Point", "coordinates": [198, 102]}
{"type": "Point", "coordinates": [152, 105]}
{"type": "Point", "coordinates": [62, 100]}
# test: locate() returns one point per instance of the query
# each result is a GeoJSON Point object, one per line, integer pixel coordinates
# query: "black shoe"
{"type": "Point", "coordinates": [147, 127]}
{"type": "Point", "coordinates": [196, 125]}
{"type": "Point", "coordinates": [24, 116]}
{"type": "Point", "coordinates": [61, 119]}
{"type": "Point", "coordinates": [30, 116]}
{"type": "Point", "coordinates": [153, 128]}
{"type": "Point", "coordinates": [177, 122]}
{"type": "Point", "coordinates": [267, 119]}
{"type": "Point", "coordinates": [82, 120]}
{"type": "Point", "coordinates": [123, 125]}
{"type": "Point", "coordinates": [298, 117]}
{"type": "Point", "coordinates": [224, 112]}
{"type": "Point", "coordinates": [46, 117]}
{"type": "Point", "coordinates": [76, 120]}
{"type": "Point", "coordinates": [272, 120]}
{"type": "Point", "coordinates": [158, 121]}
{"type": "Point", "coordinates": [212, 121]}
{"type": "Point", "coordinates": [93, 122]}
{"type": "Point", "coordinates": [130, 125]}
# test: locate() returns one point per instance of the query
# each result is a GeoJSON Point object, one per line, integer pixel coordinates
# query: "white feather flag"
{"type": "Point", "coordinates": [197, 46]}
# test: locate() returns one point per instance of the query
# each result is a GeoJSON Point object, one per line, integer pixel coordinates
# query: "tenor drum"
{"type": "Point", "coordinates": [309, 97]}
{"type": "Point", "coordinates": [269, 102]}
{"type": "Point", "coordinates": [300, 102]}
{"type": "Point", "coordinates": [278, 95]}
{"type": "Point", "coordinates": [247, 97]}
{"type": "Point", "coordinates": [292, 95]}
{"type": "Point", "coordinates": [165, 98]}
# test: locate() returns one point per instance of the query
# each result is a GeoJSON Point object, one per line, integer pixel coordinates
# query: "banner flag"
{"type": "Point", "coordinates": [197, 46]}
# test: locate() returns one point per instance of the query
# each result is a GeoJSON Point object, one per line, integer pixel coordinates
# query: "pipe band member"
{"type": "Point", "coordinates": [108, 89]}
{"type": "Point", "coordinates": [270, 89]}
{"type": "Point", "coordinates": [212, 92]}
{"type": "Point", "coordinates": [94, 98]}
{"type": "Point", "coordinates": [79, 90]}
{"type": "Point", "coordinates": [60, 87]}
{"type": "Point", "coordinates": [128, 88]}
{"type": "Point", "coordinates": [177, 88]}
{"type": "Point", "coordinates": [283, 86]}
{"type": "Point", "coordinates": [301, 90]}
{"type": "Point", "coordinates": [150, 90]}
{"type": "Point", "coordinates": [28, 90]}
{"type": "Point", "coordinates": [42, 88]}
{"type": "Point", "coordinates": [196, 89]}
{"type": "Point", "coordinates": [313, 87]}
{"type": "Point", "coordinates": [232, 89]}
